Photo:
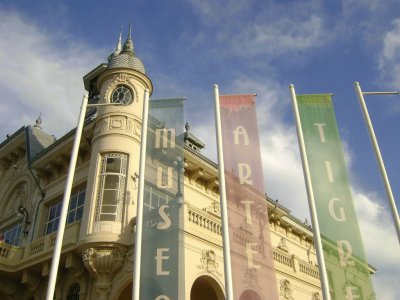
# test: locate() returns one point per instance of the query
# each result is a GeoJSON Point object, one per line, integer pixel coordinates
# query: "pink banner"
{"type": "Point", "coordinates": [253, 272]}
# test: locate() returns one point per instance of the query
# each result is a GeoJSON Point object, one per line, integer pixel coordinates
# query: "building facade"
{"type": "Point", "coordinates": [98, 246]}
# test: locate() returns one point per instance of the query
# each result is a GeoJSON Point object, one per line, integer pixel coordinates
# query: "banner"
{"type": "Point", "coordinates": [253, 273]}
{"type": "Point", "coordinates": [343, 250]}
{"type": "Point", "coordinates": [162, 265]}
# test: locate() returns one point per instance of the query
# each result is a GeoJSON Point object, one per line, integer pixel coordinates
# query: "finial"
{"type": "Point", "coordinates": [38, 123]}
{"type": "Point", "coordinates": [119, 44]}
{"type": "Point", "coordinates": [129, 43]}
{"type": "Point", "coordinates": [187, 127]}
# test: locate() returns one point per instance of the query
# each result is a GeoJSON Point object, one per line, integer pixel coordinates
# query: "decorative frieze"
{"type": "Point", "coordinates": [119, 124]}
{"type": "Point", "coordinates": [121, 79]}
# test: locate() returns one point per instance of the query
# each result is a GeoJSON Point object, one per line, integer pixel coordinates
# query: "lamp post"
{"type": "Point", "coordinates": [67, 194]}
{"type": "Point", "coordinates": [377, 152]}
{"type": "Point", "coordinates": [180, 165]}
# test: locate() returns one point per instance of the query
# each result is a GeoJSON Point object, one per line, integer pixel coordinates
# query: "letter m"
{"type": "Point", "coordinates": [165, 136]}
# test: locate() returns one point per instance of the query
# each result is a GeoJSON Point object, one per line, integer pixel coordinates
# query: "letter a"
{"type": "Point", "coordinates": [240, 131]}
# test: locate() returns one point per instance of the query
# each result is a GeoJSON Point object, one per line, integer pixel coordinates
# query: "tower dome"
{"type": "Point", "coordinates": [126, 58]}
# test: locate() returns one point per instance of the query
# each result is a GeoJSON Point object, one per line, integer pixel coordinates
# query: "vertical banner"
{"type": "Point", "coordinates": [343, 250]}
{"type": "Point", "coordinates": [162, 266]}
{"type": "Point", "coordinates": [253, 273]}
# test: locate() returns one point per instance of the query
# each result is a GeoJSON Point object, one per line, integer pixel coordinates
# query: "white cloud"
{"type": "Point", "coordinates": [381, 244]}
{"type": "Point", "coordinates": [41, 73]}
{"type": "Point", "coordinates": [389, 59]}
{"type": "Point", "coordinates": [274, 31]}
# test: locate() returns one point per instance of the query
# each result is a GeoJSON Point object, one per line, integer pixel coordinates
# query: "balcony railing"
{"type": "Point", "coordinates": [204, 220]}
{"type": "Point", "coordinates": [11, 256]}
{"type": "Point", "coordinates": [295, 263]}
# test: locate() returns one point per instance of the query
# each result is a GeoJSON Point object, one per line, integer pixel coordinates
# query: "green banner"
{"type": "Point", "coordinates": [162, 266]}
{"type": "Point", "coordinates": [344, 255]}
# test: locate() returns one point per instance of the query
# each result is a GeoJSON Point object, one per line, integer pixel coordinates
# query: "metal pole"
{"type": "Point", "coordinates": [65, 203]}
{"type": "Point", "coordinates": [222, 193]}
{"type": "Point", "coordinates": [139, 215]}
{"type": "Point", "coordinates": [378, 156]}
{"type": "Point", "coordinates": [311, 200]}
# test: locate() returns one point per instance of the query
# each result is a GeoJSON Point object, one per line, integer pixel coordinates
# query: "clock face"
{"type": "Point", "coordinates": [122, 95]}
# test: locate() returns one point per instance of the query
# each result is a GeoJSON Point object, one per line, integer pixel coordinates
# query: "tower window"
{"type": "Point", "coordinates": [111, 187]}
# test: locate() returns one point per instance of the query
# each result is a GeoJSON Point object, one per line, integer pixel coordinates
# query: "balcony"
{"type": "Point", "coordinates": [12, 258]}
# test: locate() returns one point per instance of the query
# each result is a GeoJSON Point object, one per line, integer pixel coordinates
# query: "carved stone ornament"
{"type": "Point", "coordinates": [20, 196]}
{"type": "Point", "coordinates": [103, 263]}
{"type": "Point", "coordinates": [117, 123]}
{"type": "Point", "coordinates": [214, 208]}
{"type": "Point", "coordinates": [282, 245]}
{"type": "Point", "coordinates": [315, 296]}
{"type": "Point", "coordinates": [285, 290]}
{"type": "Point", "coordinates": [208, 262]}
{"type": "Point", "coordinates": [119, 79]}
{"type": "Point", "coordinates": [129, 260]}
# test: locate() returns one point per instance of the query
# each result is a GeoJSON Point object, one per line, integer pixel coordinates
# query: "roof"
{"type": "Point", "coordinates": [125, 58]}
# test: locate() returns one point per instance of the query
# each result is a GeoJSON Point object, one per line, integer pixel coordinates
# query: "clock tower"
{"type": "Point", "coordinates": [106, 233]}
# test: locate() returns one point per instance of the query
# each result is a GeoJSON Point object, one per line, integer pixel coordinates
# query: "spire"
{"type": "Point", "coordinates": [117, 48]}
{"type": "Point", "coordinates": [128, 46]}
{"type": "Point", "coordinates": [38, 122]}
{"type": "Point", "coordinates": [119, 44]}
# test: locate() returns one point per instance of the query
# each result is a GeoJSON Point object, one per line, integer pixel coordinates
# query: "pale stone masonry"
{"type": "Point", "coordinates": [97, 253]}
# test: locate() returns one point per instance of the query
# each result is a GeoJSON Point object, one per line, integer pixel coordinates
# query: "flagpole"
{"type": "Point", "coordinates": [222, 193]}
{"type": "Point", "coordinates": [65, 203]}
{"type": "Point", "coordinates": [311, 200]}
{"type": "Point", "coordinates": [139, 215]}
{"type": "Point", "coordinates": [378, 156]}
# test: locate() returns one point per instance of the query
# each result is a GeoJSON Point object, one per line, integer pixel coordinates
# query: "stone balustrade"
{"type": "Point", "coordinates": [203, 220]}
{"type": "Point", "coordinates": [11, 256]}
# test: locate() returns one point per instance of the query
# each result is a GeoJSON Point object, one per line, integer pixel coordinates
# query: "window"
{"type": "Point", "coordinates": [73, 292]}
{"type": "Point", "coordinates": [75, 211]}
{"type": "Point", "coordinates": [12, 234]}
{"type": "Point", "coordinates": [153, 199]}
{"type": "Point", "coordinates": [76, 204]}
{"type": "Point", "coordinates": [111, 191]}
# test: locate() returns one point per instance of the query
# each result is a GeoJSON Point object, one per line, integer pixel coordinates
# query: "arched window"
{"type": "Point", "coordinates": [73, 291]}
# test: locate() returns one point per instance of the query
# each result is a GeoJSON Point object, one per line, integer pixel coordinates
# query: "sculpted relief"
{"type": "Point", "coordinates": [19, 196]}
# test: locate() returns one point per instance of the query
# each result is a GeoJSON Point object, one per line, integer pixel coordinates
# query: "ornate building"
{"type": "Point", "coordinates": [97, 253]}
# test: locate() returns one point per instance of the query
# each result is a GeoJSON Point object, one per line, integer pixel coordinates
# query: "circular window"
{"type": "Point", "coordinates": [122, 95]}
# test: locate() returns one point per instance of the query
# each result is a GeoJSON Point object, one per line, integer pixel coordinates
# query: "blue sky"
{"type": "Point", "coordinates": [244, 46]}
